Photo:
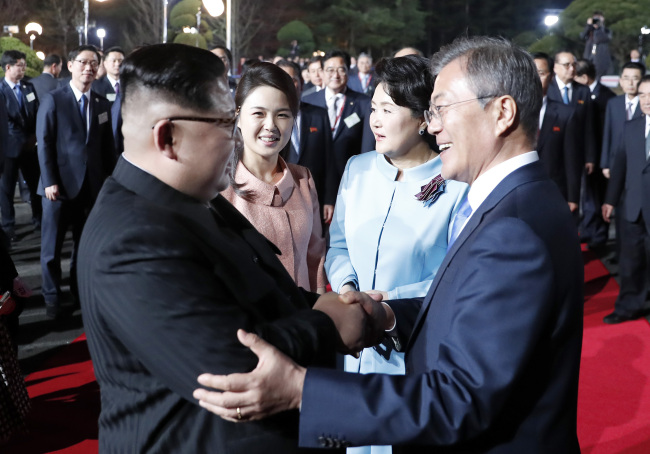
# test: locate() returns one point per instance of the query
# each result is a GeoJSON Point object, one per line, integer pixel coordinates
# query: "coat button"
{"type": "Point", "coordinates": [255, 259]}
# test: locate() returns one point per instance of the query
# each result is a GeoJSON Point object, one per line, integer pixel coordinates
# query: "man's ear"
{"type": "Point", "coordinates": [163, 137]}
{"type": "Point", "coordinates": [506, 114]}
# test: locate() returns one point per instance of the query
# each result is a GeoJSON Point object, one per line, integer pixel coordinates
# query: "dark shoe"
{"type": "Point", "coordinates": [615, 319]}
{"type": "Point", "coordinates": [52, 311]}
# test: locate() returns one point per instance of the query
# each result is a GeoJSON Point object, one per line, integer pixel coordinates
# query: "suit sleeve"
{"type": "Point", "coordinates": [616, 183]}
{"type": "Point", "coordinates": [46, 132]}
{"type": "Point", "coordinates": [4, 127]}
{"type": "Point", "coordinates": [590, 131]}
{"type": "Point", "coordinates": [163, 309]}
{"type": "Point", "coordinates": [608, 137]}
{"type": "Point", "coordinates": [499, 316]}
{"type": "Point", "coordinates": [573, 163]}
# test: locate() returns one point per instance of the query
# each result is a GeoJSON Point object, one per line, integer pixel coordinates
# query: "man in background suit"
{"type": "Point", "coordinates": [48, 79]}
{"type": "Point", "coordinates": [315, 84]}
{"type": "Point", "coordinates": [619, 110]}
{"type": "Point", "coordinates": [363, 79]}
{"type": "Point", "coordinates": [76, 153]}
{"type": "Point", "coordinates": [311, 142]}
{"type": "Point", "coordinates": [493, 354]}
{"type": "Point", "coordinates": [21, 104]}
{"type": "Point", "coordinates": [556, 142]}
{"type": "Point", "coordinates": [348, 113]}
{"type": "Point", "coordinates": [168, 269]}
{"type": "Point", "coordinates": [630, 178]}
{"type": "Point", "coordinates": [109, 85]}
{"type": "Point", "coordinates": [226, 57]}
{"type": "Point", "coordinates": [564, 89]}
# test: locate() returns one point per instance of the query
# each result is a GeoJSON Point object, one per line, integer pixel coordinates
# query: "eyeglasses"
{"type": "Point", "coordinates": [437, 112]}
{"type": "Point", "coordinates": [227, 123]}
{"type": "Point", "coordinates": [94, 64]}
{"type": "Point", "coordinates": [342, 70]}
{"type": "Point", "coordinates": [20, 65]}
{"type": "Point", "coordinates": [566, 65]}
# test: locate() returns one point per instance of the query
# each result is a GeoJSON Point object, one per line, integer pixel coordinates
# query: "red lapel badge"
{"type": "Point", "coordinates": [556, 129]}
{"type": "Point", "coordinates": [312, 129]}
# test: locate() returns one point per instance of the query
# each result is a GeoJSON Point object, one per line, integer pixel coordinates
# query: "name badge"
{"type": "Point", "coordinates": [30, 97]}
{"type": "Point", "coordinates": [111, 96]}
{"type": "Point", "coordinates": [103, 118]}
{"type": "Point", "coordinates": [352, 120]}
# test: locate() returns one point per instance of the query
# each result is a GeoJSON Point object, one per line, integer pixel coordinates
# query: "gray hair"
{"type": "Point", "coordinates": [496, 67]}
{"type": "Point", "coordinates": [363, 54]}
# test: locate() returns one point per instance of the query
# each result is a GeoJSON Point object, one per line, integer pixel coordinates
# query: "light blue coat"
{"type": "Point", "coordinates": [383, 238]}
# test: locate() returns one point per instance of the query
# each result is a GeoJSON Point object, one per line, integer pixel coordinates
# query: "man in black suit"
{"type": "Point", "coordinates": [363, 81]}
{"type": "Point", "coordinates": [109, 85]}
{"type": "Point", "coordinates": [311, 142]}
{"type": "Point", "coordinates": [168, 270]}
{"type": "Point", "coordinates": [48, 79]}
{"type": "Point", "coordinates": [630, 177]}
{"type": "Point", "coordinates": [619, 110]}
{"type": "Point", "coordinates": [555, 141]}
{"type": "Point", "coordinates": [315, 84]}
{"type": "Point", "coordinates": [348, 112]}
{"type": "Point", "coordinates": [226, 57]}
{"type": "Point", "coordinates": [76, 153]}
{"type": "Point", "coordinates": [564, 89]}
{"type": "Point", "coordinates": [21, 104]}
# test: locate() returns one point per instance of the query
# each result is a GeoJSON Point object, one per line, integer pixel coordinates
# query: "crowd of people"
{"type": "Point", "coordinates": [442, 200]}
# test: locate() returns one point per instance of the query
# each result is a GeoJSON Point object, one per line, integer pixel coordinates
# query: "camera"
{"type": "Point", "coordinates": [595, 20]}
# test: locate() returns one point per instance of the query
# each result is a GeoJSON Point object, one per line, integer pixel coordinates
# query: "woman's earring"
{"type": "Point", "coordinates": [421, 131]}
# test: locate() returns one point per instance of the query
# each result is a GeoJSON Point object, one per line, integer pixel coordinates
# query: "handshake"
{"type": "Point", "coordinates": [360, 318]}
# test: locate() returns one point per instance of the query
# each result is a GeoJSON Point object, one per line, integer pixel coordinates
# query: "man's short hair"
{"type": "Point", "coordinates": [585, 67]}
{"type": "Point", "coordinates": [563, 51]}
{"type": "Point", "coordinates": [497, 67]}
{"type": "Point", "coordinates": [544, 56]}
{"type": "Point", "coordinates": [362, 55]}
{"type": "Point", "coordinates": [226, 50]}
{"type": "Point", "coordinates": [634, 65]}
{"type": "Point", "coordinates": [338, 53]}
{"type": "Point", "coordinates": [644, 79]}
{"type": "Point", "coordinates": [291, 64]}
{"type": "Point", "coordinates": [52, 59]}
{"type": "Point", "coordinates": [72, 56]}
{"type": "Point", "coordinates": [113, 49]}
{"type": "Point", "coordinates": [11, 57]}
{"type": "Point", "coordinates": [183, 75]}
{"type": "Point", "coordinates": [317, 59]}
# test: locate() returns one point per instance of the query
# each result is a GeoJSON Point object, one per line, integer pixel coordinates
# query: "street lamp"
{"type": "Point", "coordinates": [32, 28]}
{"type": "Point", "coordinates": [551, 20]}
{"type": "Point", "coordinates": [40, 55]}
{"type": "Point", "coordinates": [101, 34]}
{"type": "Point", "coordinates": [214, 9]}
{"type": "Point", "coordinates": [86, 8]}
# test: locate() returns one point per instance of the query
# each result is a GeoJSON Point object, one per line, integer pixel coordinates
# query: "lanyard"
{"type": "Point", "coordinates": [338, 116]}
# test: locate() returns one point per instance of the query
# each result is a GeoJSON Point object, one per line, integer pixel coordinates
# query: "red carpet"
{"type": "Point", "coordinates": [614, 397]}
{"type": "Point", "coordinates": [613, 410]}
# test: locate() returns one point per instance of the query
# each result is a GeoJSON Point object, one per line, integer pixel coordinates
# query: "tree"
{"type": "Point", "coordinates": [34, 64]}
{"type": "Point", "coordinates": [380, 26]}
{"type": "Point", "coordinates": [60, 19]}
{"type": "Point", "coordinates": [299, 31]}
{"type": "Point", "coordinates": [144, 23]}
{"type": "Point", "coordinates": [184, 14]}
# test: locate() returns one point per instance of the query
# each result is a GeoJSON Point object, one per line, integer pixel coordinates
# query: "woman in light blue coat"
{"type": "Point", "coordinates": [393, 212]}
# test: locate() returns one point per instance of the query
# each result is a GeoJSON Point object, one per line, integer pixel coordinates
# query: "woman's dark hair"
{"type": "Point", "coordinates": [262, 74]}
{"type": "Point", "coordinates": [409, 83]}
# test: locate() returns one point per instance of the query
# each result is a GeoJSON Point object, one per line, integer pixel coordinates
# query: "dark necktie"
{"type": "Point", "coordinates": [117, 88]}
{"type": "Point", "coordinates": [84, 117]}
{"type": "Point", "coordinates": [19, 95]}
{"type": "Point", "coordinates": [647, 147]}
{"type": "Point", "coordinates": [565, 95]}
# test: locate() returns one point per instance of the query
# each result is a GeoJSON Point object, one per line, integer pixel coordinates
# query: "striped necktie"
{"type": "Point", "coordinates": [463, 213]}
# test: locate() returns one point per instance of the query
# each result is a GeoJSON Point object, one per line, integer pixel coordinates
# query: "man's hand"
{"type": "Point", "coordinates": [328, 213]}
{"type": "Point", "coordinates": [377, 313]}
{"type": "Point", "coordinates": [607, 210]}
{"type": "Point", "coordinates": [573, 207]}
{"type": "Point", "coordinates": [350, 320]}
{"type": "Point", "coordinates": [275, 385]}
{"type": "Point", "coordinates": [606, 173]}
{"type": "Point", "coordinates": [590, 167]}
{"type": "Point", "coordinates": [52, 192]}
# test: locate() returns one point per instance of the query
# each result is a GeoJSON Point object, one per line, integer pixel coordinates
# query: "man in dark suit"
{"type": "Point", "coordinates": [315, 69]}
{"type": "Point", "coordinates": [167, 272]}
{"type": "Point", "coordinates": [492, 356]}
{"type": "Point", "coordinates": [630, 178]}
{"type": "Point", "coordinates": [363, 79]}
{"type": "Point", "coordinates": [109, 85]}
{"type": "Point", "coordinates": [556, 142]}
{"type": "Point", "coordinates": [311, 142]}
{"type": "Point", "coordinates": [348, 112]}
{"type": "Point", "coordinates": [226, 57]}
{"type": "Point", "coordinates": [564, 89]}
{"type": "Point", "coordinates": [21, 104]}
{"type": "Point", "coordinates": [76, 153]}
{"type": "Point", "coordinates": [619, 110]}
{"type": "Point", "coordinates": [48, 79]}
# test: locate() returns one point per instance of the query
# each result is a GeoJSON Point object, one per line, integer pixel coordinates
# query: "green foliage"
{"type": "Point", "coordinates": [299, 31]}
{"type": "Point", "coordinates": [184, 15]}
{"type": "Point", "coordinates": [34, 64]}
{"type": "Point", "coordinates": [624, 18]}
{"type": "Point", "coordinates": [191, 40]}
{"type": "Point", "coordinates": [379, 27]}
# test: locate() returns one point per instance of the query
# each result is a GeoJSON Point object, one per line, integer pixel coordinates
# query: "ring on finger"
{"type": "Point", "coordinates": [238, 413]}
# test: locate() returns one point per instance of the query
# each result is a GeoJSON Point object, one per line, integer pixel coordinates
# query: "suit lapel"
{"type": "Point", "coordinates": [348, 109]}
{"type": "Point", "coordinates": [11, 96]}
{"type": "Point", "coordinates": [305, 122]}
{"type": "Point", "coordinates": [73, 108]}
{"type": "Point", "coordinates": [549, 119]}
{"type": "Point", "coordinates": [522, 175]}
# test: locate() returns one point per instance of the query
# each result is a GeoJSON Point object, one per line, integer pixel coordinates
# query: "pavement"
{"type": "Point", "coordinates": [39, 336]}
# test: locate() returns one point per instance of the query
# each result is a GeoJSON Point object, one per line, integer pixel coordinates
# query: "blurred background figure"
{"type": "Point", "coordinates": [48, 80]}
{"type": "Point", "coordinates": [109, 85]}
{"type": "Point", "coordinates": [226, 57]}
{"type": "Point", "coordinates": [363, 80]}
{"type": "Point", "coordinates": [279, 199]}
{"type": "Point", "coordinates": [597, 38]}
